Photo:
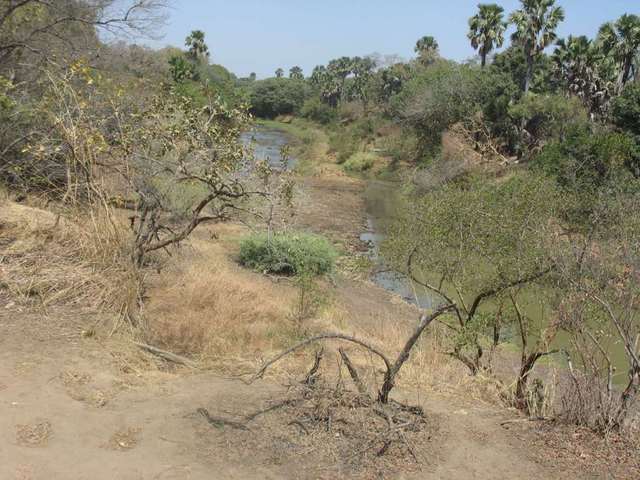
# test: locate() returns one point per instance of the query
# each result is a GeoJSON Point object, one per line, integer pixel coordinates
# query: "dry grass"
{"type": "Point", "coordinates": [205, 304]}
{"type": "Point", "coordinates": [76, 259]}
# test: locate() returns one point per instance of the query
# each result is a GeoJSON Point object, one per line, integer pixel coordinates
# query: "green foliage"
{"type": "Point", "coordinates": [585, 161]}
{"type": "Point", "coordinates": [476, 234]}
{"type": "Point", "coordinates": [316, 110]}
{"type": "Point", "coordinates": [513, 62]}
{"type": "Point", "coordinates": [625, 110]}
{"type": "Point", "coordinates": [360, 162]}
{"type": "Point", "coordinates": [277, 96]}
{"type": "Point", "coordinates": [343, 143]}
{"type": "Point", "coordinates": [181, 69]}
{"type": "Point", "coordinates": [546, 117]}
{"type": "Point", "coordinates": [288, 253]}
{"type": "Point", "coordinates": [486, 29]}
{"type": "Point", "coordinates": [442, 95]}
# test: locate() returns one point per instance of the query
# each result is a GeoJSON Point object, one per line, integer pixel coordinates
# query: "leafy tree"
{"type": "Point", "coordinates": [625, 110]}
{"type": "Point", "coordinates": [536, 23]}
{"type": "Point", "coordinates": [253, 76]}
{"type": "Point", "coordinates": [621, 40]}
{"type": "Point", "coordinates": [474, 243]}
{"type": "Point", "coordinates": [295, 73]}
{"type": "Point", "coordinates": [198, 49]}
{"type": "Point", "coordinates": [427, 49]}
{"type": "Point", "coordinates": [279, 73]}
{"type": "Point", "coordinates": [486, 29]}
{"type": "Point", "coordinates": [277, 96]}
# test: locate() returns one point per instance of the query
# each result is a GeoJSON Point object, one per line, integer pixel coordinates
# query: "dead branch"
{"type": "Point", "coordinates": [219, 422]}
{"type": "Point", "coordinates": [326, 336]}
{"type": "Point", "coordinates": [165, 355]}
{"type": "Point", "coordinates": [354, 373]}
{"type": "Point", "coordinates": [311, 375]}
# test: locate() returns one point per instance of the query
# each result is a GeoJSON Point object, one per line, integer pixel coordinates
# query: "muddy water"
{"type": "Point", "coordinates": [382, 203]}
{"type": "Point", "coordinates": [267, 144]}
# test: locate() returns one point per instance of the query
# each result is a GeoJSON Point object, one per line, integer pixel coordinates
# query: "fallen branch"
{"type": "Point", "coordinates": [326, 336]}
{"type": "Point", "coordinates": [171, 357]}
{"type": "Point", "coordinates": [220, 422]}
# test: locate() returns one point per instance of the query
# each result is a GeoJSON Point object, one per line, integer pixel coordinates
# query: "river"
{"type": "Point", "coordinates": [382, 203]}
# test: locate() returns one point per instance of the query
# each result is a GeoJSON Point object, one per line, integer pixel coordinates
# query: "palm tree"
{"type": "Point", "coordinates": [486, 29]}
{"type": "Point", "coordinates": [536, 23]}
{"type": "Point", "coordinates": [584, 71]}
{"type": "Point", "coordinates": [621, 40]}
{"type": "Point", "coordinates": [197, 48]}
{"type": "Point", "coordinates": [295, 73]}
{"type": "Point", "coordinates": [279, 73]}
{"type": "Point", "coordinates": [427, 49]}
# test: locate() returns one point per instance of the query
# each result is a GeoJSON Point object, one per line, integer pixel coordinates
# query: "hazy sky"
{"type": "Point", "coordinates": [262, 35]}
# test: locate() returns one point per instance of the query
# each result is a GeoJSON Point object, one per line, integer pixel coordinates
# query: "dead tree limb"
{"type": "Point", "coordinates": [326, 336]}
{"type": "Point", "coordinates": [171, 357]}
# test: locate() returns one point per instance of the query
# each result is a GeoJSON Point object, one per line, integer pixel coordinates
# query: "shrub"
{"type": "Point", "coordinates": [315, 110]}
{"type": "Point", "coordinates": [360, 162]}
{"type": "Point", "coordinates": [344, 144]}
{"type": "Point", "coordinates": [625, 109]}
{"type": "Point", "coordinates": [288, 253]}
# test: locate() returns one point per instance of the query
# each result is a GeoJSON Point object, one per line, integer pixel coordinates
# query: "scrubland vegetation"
{"type": "Point", "coordinates": [126, 188]}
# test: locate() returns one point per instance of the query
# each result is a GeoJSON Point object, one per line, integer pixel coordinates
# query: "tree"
{"type": "Point", "coordinates": [621, 40]}
{"type": "Point", "coordinates": [582, 70]}
{"type": "Point", "coordinates": [476, 244]}
{"type": "Point", "coordinates": [427, 49]}
{"type": "Point", "coordinates": [279, 73]}
{"type": "Point", "coordinates": [180, 69]}
{"type": "Point", "coordinates": [253, 76]}
{"type": "Point", "coordinates": [295, 73]}
{"type": "Point", "coordinates": [362, 70]}
{"type": "Point", "coordinates": [536, 23]}
{"type": "Point", "coordinates": [198, 49]}
{"type": "Point", "coordinates": [486, 29]}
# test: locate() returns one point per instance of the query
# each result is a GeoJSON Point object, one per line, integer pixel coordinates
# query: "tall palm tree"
{"type": "Point", "coordinates": [295, 73]}
{"type": "Point", "coordinates": [536, 23]}
{"type": "Point", "coordinates": [621, 40]}
{"type": "Point", "coordinates": [582, 68]}
{"type": "Point", "coordinates": [486, 29]}
{"type": "Point", "coordinates": [427, 49]}
{"type": "Point", "coordinates": [197, 48]}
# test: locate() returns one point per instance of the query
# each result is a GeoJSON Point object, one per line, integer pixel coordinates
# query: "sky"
{"type": "Point", "coordinates": [261, 35]}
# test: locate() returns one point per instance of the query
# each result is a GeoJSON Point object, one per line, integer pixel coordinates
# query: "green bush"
{"type": "Point", "coordinates": [344, 144]}
{"type": "Point", "coordinates": [288, 253]}
{"type": "Point", "coordinates": [315, 110]}
{"type": "Point", "coordinates": [360, 162]}
{"type": "Point", "coordinates": [625, 110]}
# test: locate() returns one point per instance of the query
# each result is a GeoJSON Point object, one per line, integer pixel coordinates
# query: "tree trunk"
{"type": "Point", "coordinates": [529, 74]}
{"type": "Point", "coordinates": [629, 395]}
{"type": "Point", "coordinates": [483, 56]}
